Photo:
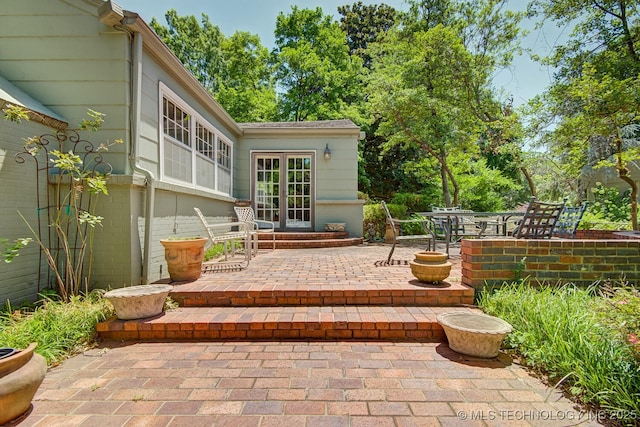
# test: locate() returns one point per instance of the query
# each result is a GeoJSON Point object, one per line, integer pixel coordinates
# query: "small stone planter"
{"type": "Point", "coordinates": [21, 374]}
{"type": "Point", "coordinates": [474, 334]}
{"type": "Point", "coordinates": [430, 267]}
{"type": "Point", "coordinates": [335, 226]}
{"type": "Point", "coordinates": [138, 302]}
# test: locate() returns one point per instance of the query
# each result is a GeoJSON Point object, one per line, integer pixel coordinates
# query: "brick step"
{"type": "Point", "coordinates": [398, 294]}
{"type": "Point", "coordinates": [283, 323]}
{"type": "Point", "coordinates": [287, 235]}
{"type": "Point", "coordinates": [309, 244]}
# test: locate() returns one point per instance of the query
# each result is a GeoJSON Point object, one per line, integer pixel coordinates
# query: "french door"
{"type": "Point", "coordinates": [283, 190]}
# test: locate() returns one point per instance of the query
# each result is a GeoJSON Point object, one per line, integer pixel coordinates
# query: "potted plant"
{"type": "Point", "coordinates": [184, 257]}
{"type": "Point", "coordinates": [21, 373]}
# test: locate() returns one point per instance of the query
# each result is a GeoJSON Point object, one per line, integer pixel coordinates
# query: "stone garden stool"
{"type": "Point", "coordinates": [138, 302]}
{"type": "Point", "coordinates": [474, 334]}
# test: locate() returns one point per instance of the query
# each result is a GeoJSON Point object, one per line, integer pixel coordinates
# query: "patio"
{"type": "Point", "coordinates": [304, 381]}
{"type": "Point", "coordinates": [323, 293]}
{"type": "Point", "coordinates": [308, 383]}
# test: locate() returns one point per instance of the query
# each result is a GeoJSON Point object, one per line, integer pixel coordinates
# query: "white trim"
{"type": "Point", "coordinates": [165, 92]}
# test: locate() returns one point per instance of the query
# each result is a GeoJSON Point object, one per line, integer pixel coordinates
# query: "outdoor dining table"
{"type": "Point", "coordinates": [499, 220]}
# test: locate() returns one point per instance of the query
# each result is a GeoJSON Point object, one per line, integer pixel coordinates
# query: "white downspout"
{"type": "Point", "coordinates": [135, 112]}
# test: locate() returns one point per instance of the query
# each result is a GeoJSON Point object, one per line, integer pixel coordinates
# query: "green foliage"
{"type": "Point", "coordinates": [235, 70]}
{"type": "Point", "coordinates": [431, 80]}
{"type": "Point", "coordinates": [318, 77]}
{"type": "Point", "coordinates": [217, 250]}
{"type": "Point", "coordinates": [15, 113]}
{"type": "Point", "coordinates": [364, 24]}
{"type": "Point", "coordinates": [60, 328]}
{"type": "Point", "coordinates": [595, 96]}
{"type": "Point", "coordinates": [71, 217]}
{"type": "Point", "coordinates": [561, 335]}
{"type": "Point", "coordinates": [375, 219]}
{"type": "Point", "coordinates": [485, 189]}
{"type": "Point", "coordinates": [413, 202]}
{"type": "Point", "coordinates": [609, 203]}
{"type": "Point", "coordinates": [10, 250]}
{"type": "Point", "coordinates": [620, 312]}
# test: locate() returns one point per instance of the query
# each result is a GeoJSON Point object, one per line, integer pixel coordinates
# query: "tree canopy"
{"type": "Point", "coordinates": [419, 82]}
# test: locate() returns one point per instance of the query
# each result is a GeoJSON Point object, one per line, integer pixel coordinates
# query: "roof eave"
{"type": "Point", "coordinates": [172, 65]}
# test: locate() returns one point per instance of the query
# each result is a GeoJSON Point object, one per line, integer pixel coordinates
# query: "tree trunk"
{"type": "Point", "coordinates": [623, 174]}
{"type": "Point", "coordinates": [445, 186]}
{"type": "Point", "coordinates": [532, 185]}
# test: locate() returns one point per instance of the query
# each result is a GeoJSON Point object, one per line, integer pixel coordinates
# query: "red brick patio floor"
{"type": "Point", "coordinates": [309, 384]}
{"type": "Point", "coordinates": [294, 383]}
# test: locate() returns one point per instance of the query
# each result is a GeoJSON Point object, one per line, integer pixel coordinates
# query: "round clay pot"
{"type": "Point", "coordinates": [138, 302]}
{"type": "Point", "coordinates": [430, 267]}
{"type": "Point", "coordinates": [184, 258]}
{"type": "Point", "coordinates": [474, 334]}
{"type": "Point", "coordinates": [20, 376]}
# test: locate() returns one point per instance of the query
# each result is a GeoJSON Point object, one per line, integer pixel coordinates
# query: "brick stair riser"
{"type": "Point", "coordinates": [432, 298]}
{"type": "Point", "coordinates": [304, 236]}
{"type": "Point", "coordinates": [393, 331]}
{"type": "Point", "coordinates": [308, 244]}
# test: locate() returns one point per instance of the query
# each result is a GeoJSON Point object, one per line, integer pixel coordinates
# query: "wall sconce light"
{"type": "Point", "coordinates": [327, 153]}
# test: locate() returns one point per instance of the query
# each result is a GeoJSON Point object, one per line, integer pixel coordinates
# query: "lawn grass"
{"type": "Point", "coordinates": [60, 329]}
{"type": "Point", "coordinates": [575, 335]}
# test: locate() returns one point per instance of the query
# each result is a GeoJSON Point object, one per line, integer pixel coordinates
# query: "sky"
{"type": "Point", "coordinates": [523, 80]}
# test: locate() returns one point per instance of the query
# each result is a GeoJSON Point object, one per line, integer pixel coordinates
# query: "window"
{"type": "Point", "coordinates": [193, 152]}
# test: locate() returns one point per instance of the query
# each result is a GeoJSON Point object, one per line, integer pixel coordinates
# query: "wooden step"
{"type": "Point", "coordinates": [284, 323]}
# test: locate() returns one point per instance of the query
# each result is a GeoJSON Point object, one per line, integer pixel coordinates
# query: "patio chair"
{"type": "Point", "coordinates": [539, 220]}
{"type": "Point", "coordinates": [569, 221]}
{"type": "Point", "coordinates": [224, 233]}
{"type": "Point", "coordinates": [396, 227]}
{"type": "Point", "coordinates": [256, 226]}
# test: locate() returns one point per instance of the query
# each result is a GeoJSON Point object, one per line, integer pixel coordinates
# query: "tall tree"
{"type": "Point", "coordinates": [432, 79]}
{"type": "Point", "coordinates": [234, 70]}
{"type": "Point", "coordinates": [313, 66]}
{"type": "Point", "coordinates": [248, 92]}
{"type": "Point", "coordinates": [198, 47]}
{"type": "Point", "coordinates": [594, 99]}
{"type": "Point", "coordinates": [363, 24]}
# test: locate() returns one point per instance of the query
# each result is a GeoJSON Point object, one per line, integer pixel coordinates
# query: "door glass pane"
{"type": "Point", "coordinates": [268, 190]}
{"type": "Point", "coordinates": [298, 190]}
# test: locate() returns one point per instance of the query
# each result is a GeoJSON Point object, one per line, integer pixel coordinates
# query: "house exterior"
{"type": "Point", "coordinates": [181, 149]}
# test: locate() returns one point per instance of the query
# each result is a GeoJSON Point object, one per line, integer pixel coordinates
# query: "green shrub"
{"type": "Point", "coordinates": [561, 334]}
{"type": "Point", "coordinates": [217, 250]}
{"type": "Point", "coordinates": [413, 202]}
{"type": "Point", "coordinates": [374, 219]}
{"type": "Point", "coordinates": [60, 328]}
{"type": "Point", "coordinates": [598, 221]}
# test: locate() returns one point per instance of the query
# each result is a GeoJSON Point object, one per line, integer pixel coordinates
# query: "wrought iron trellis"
{"type": "Point", "coordinates": [62, 197]}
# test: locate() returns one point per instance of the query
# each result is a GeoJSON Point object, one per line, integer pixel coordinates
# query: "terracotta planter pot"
{"type": "Point", "coordinates": [138, 302]}
{"type": "Point", "coordinates": [474, 334]}
{"type": "Point", "coordinates": [430, 267]}
{"type": "Point", "coordinates": [184, 258]}
{"type": "Point", "coordinates": [20, 376]}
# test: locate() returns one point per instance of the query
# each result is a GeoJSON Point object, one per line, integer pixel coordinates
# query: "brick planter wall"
{"type": "Point", "coordinates": [494, 261]}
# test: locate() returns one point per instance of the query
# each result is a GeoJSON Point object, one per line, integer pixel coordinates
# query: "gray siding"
{"type": "Point", "coordinates": [18, 182]}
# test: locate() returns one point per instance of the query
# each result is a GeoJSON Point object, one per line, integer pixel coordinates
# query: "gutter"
{"type": "Point", "coordinates": [112, 14]}
{"type": "Point", "coordinates": [134, 114]}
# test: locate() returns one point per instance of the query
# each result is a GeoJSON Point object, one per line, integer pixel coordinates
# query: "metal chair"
{"type": "Point", "coordinates": [539, 220]}
{"type": "Point", "coordinates": [222, 233]}
{"type": "Point", "coordinates": [569, 220]}
{"type": "Point", "coordinates": [398, 236]}
{"type": "Point", "coordinates": [256, 226]}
